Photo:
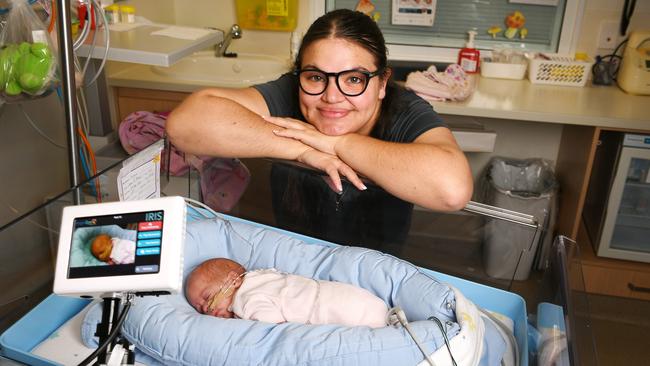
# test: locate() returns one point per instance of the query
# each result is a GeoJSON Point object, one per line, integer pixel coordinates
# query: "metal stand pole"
{"type": "Point", "coordinates": [69, 90]}
{"type": "Point", "coordinates": [110, 315]}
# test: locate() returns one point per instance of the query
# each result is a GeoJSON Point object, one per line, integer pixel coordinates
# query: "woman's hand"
{"type": "Point", "coordinates": [305, 133]}
{"type": "Point", "coordinates": [333, 166]}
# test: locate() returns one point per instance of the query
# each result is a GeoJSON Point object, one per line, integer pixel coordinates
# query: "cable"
{"type": "Point", "coordinates": [85, 30]}
{"type": "Point", "coordinates": [111, 336]}
{"type": "Point", "coordinates": [227, 222]}
{"type": "Point", "coordinates": [193, 202]}
{"type": "Point", "coordinates": [396, 316]}
{"type": "Point", "coordinates": [17, 212]}
{"type": "Point", "coordinates": [84, 167]}
{"type": "Point", "coordinates": [106, 45]}
{"type": "Point", "coordinates": [50, 27]}
{"type": "Point", "coordinates": [614, 60]}
{"type": "Point", "coordinates": [90, 51]}
{"type": "Point", "coordinates": [91, 155]}
{"type": "Point", "coordinates": [40, 132]}
{"type": "Point", "coordinates": [628, 10]}
{"type": "Point", "coordinates": [444, 336]}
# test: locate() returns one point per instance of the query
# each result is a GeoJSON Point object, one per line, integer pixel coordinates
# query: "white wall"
{"type": "Point", "coordinates": [598, 11]}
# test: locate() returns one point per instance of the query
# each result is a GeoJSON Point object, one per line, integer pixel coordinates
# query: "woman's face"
{"type": "Point", "coordinates": [332, 112]}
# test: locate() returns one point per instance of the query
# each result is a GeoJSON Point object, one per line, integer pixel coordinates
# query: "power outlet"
{"type": "Point", "coordinates": [608, 35]}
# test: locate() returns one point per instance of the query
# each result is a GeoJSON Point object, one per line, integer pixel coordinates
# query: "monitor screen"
{"type": "Point", "coordinates": [116, 245]}
{"type": "Point", "coordinates": [132, 246]}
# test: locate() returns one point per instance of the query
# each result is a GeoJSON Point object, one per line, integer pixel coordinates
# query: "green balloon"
{"type": "Point", "coordinates": [13, 88]}
{"type": "Point", "coordinates": [32, 72]}
{"type": "Point", "coordinates": [41, 50]}
{"type": "Point", "coordinates": [25, 67]}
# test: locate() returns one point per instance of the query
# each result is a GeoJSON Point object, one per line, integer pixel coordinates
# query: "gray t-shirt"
{"type": "Point", "coordinates": [413, 117]}
{"type": "Point", "coordinates": [302, 201]}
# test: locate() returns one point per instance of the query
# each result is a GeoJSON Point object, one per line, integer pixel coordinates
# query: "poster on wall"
{"type": "Point", "coordinates": [414, 12]}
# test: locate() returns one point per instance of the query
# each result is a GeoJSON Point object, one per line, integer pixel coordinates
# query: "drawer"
{"type": "Point", "coordinates": [616, 281]}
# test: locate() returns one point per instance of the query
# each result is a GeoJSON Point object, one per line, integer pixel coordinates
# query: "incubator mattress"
{"type": "Point", "coordinates": [167, 330]}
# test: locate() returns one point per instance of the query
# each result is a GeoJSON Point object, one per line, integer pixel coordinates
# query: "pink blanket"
{"type": "Point", "coordinates": [223, 181]}
{"type": "Point", "coordinates": [452, 84]}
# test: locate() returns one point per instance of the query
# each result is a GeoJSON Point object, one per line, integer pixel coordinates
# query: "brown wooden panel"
{"type": "Point", "coordinates": [130, 100]}
{"type": "Point", "coordinates": [575, 159]}
{"type": "Point", "coordinates": [617, 282]}
{"type": "Point", "coordinates": [609, 276]}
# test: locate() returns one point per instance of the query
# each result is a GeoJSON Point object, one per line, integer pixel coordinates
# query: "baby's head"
{"type": "Point", "coordinates": [211, 286]}
{"type": "Point", "coordinates": [101, 247]}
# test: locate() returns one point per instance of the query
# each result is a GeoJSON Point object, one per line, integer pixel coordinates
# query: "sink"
{"type": "Point", "coordinates": [243, 70]}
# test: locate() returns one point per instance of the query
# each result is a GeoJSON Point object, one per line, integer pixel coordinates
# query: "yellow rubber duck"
{"type": "Point", "coordinates": [523, 33]}
{"type": "Point", "coordinates": [494, 31]}
{"type": "Point", "coordinates": [514, 21]}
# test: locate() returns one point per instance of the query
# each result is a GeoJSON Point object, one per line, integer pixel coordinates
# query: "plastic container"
{"type": "Point", "coordinates": [556, 69]}
{"type": "Point", "coordinates": [82, 14]}
{"type": "Point", "coordinates": [278, 15]}
{"type": "Point", "coordinates": [469, 57]}
{"type": "Point", "coordinates": [501, 70]}
{"type": "Point", "coordinates": [113, 13]}
{"type": "Point", "coordinates": [127, 13]}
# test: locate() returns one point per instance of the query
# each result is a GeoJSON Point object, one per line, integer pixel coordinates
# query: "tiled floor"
{"type": "Point", "coordinates": [621, 329]}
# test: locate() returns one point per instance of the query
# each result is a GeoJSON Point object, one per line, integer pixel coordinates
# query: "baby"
{"type": "Point", "coordinates": [113, 250]}
{"type": "Point", "coordinates": [222, 288]}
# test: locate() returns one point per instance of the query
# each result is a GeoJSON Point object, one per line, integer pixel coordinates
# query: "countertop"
{"type": "Point", "coordinates": [138, 43]}
{"type": "Point", "coordinates": [601, 106]}
{"type": "Point", "coordinates": [591, 105]}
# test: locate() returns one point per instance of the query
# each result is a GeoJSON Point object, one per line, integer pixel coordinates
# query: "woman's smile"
{"type": "Point", "coordinates": [333, 113]}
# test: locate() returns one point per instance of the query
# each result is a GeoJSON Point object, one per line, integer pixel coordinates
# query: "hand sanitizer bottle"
{"type": "Point", "coordinates": [469, 57]}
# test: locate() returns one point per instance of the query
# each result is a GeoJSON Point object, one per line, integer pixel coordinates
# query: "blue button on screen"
{"type": "Point", "coordinates": [148, 251]}
{"type": "Point", "coordinates": [149, 243]}
{"type": "Point", "coordinates": [149, 234]}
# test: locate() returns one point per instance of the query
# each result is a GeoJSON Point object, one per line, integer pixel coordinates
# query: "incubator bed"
{"type": "Point", "coordinates": [51, 332]}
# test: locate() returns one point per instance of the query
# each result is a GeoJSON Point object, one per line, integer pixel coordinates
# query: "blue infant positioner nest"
{"type": "Point", "coordinates": [166, 330]}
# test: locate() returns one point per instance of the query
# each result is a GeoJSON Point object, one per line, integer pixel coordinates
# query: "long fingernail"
{"type": "Point", "coordinates": [363, 187]}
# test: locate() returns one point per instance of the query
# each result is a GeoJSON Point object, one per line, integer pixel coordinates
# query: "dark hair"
{"type": "Point", "coordinates": [356, 27]}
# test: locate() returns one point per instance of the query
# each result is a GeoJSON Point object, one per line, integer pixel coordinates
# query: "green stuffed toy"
{"type": "Point", "coordinates": [24, 68]}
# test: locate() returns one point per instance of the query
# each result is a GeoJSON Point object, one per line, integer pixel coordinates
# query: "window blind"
{"type": "Point", "coordinates": [453, 18]}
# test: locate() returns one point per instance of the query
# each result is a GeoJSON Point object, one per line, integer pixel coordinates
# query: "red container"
{"type": "Point", "coordinates": [82, 13]}
{"type": "Point", "coordinates": [468, 59]}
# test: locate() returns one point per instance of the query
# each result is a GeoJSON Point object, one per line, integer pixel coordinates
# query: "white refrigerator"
{"type": "Point", "coordinates": [623, 230]}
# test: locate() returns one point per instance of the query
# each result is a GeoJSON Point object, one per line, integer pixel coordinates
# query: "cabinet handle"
{"type": "Point", "coordinates": [632, 287]}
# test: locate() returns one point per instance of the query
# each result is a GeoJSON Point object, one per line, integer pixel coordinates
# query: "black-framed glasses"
{"type": "Point", "coordinates": [351, 83]}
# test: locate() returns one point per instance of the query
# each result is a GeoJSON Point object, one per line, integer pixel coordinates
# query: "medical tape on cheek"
{"type": "Point", "coordinates": [225, 291]}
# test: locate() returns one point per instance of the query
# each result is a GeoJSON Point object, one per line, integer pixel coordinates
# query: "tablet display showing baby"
{"type": "Point", "coordinates": [113, 250]}
{"type": "Point", "coordinates": [103, 245]}
{"type": "Point", "coordinates": [223, 288]}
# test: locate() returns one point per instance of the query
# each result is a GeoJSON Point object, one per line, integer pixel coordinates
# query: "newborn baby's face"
{"type": "Point", "coordinates": [208, 297]}
{"type": "Point", "coordinates": [101, 247]}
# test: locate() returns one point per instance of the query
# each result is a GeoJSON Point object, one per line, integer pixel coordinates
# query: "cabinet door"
{"type": "Point", "coordinates": [130, 100]}
{"type": "Point", "coordinates": [626, 232]}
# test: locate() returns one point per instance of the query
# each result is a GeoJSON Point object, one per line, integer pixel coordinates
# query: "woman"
{"type": "Point", "coordinates": [339, 113]}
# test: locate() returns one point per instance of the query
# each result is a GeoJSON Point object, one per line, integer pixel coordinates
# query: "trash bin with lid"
{"type": "Point", "coordinates": [523, 185]}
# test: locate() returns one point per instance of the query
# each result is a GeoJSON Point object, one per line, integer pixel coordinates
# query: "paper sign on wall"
{"type": "Point", "coordinates": [414, 12]}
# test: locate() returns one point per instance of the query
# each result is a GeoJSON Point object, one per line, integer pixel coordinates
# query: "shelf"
{"type": "Point", "coordinates": [138, 45]}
